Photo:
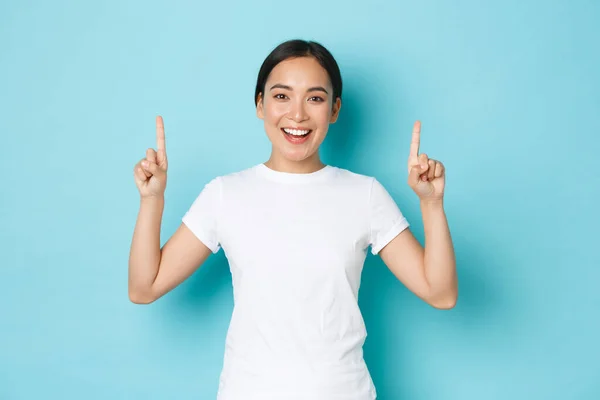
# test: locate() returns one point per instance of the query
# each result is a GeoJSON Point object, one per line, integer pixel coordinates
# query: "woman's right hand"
{"type": "Point", "coordinates": [151, 172]}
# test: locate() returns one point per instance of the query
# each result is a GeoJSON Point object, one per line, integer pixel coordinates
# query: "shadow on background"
{"type": "Point", "coordinates": [205, 295]}
{"type": "Point", "coordinates": [394, 316]}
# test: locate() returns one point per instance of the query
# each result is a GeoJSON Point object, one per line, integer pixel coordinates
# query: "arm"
{"type": "Point", "coordinates": [428, 272]}
{"type": "Point", "coordinates": [154, 271]}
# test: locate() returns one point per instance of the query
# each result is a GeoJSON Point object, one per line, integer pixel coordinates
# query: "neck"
{"type": "Point", "coordinates": [307, 166]}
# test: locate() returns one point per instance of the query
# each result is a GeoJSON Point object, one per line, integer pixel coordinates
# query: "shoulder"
{"type": "Point", "coordinates": [217, 182]}
{"type": "Point", "coordinates": [233, 182]}
{"type": "Point", "coordinates": [237, 177]}
{"type": "Point", "coordinates": [348, 177]}
{"type": "Point", "coordinates": [363, 186]}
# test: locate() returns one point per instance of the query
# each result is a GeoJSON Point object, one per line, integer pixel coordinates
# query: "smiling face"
{"type": "Point", "coordinates": [297, 107]}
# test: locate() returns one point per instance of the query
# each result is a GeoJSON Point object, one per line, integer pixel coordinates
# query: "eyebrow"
{"type": "Point", "coordinates": [312, 89]}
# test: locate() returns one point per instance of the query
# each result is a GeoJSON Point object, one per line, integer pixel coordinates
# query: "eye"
{"type": "Point", "coordinates": [280, 96]}
{"type": "Point", "coordinates": [317, 99]}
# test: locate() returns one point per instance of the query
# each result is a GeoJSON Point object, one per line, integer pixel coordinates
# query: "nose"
{"type": "Point", "coordinates": [298, 112]}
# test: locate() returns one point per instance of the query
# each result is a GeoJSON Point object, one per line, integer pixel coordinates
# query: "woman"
{"type": "Point", "coordinates": [295, 233]}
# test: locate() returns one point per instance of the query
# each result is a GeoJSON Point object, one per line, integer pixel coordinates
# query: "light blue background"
{"type": "Point", "coordinates": [509, 96]}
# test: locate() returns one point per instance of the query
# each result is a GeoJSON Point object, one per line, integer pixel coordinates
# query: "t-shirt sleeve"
{"type": "Point", "coordinates": [202, 218]}
{"type": "Point", "coordinates": [386, 220]}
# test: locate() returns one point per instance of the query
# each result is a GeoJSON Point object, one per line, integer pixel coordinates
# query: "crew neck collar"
{"type": "Point", "coordinates": [290, 177]}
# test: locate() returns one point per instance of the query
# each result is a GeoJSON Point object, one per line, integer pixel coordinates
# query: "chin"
{"type": "Point", "coordinates": [296, 156]}
{"type": "Point", "coordinates": [293, 152]}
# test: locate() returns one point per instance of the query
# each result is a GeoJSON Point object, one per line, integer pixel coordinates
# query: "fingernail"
{"type": "Point", "coordinates": [145, 163]}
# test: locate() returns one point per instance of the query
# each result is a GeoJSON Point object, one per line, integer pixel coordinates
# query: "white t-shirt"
{"type": "Point", "coordinates": [296, 245]}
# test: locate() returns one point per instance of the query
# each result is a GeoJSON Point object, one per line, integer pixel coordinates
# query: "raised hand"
{"type": "Point", "coordinates": [426, 176]}
{"type": "Point", "coordinates": [151, 172]}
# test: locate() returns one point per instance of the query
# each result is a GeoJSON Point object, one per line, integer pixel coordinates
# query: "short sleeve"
{"type": "Point", "coordinates": [203, 215]}
{"type": "Point", "coordinates": [386, 220]}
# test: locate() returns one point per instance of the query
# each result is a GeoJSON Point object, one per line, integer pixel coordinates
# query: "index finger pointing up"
{"type": "Point", "coordinates": [160, 134]}
{"type": "Point", "coordinates": [416, 140]}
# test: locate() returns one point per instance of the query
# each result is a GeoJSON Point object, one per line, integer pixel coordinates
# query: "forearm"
{"type": "Point", "coordinates": [439, 258]}
{"type": "Point", "coordinates": [145, 253]}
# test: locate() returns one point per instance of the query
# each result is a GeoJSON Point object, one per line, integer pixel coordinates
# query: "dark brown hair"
{"type": "Point", "coordinates": [300, 48]}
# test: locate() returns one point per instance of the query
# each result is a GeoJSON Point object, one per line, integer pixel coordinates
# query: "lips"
{"type": "Point", "coordinates": [296, 135]}
{"type": "Point", "coordinates": [296, 131]}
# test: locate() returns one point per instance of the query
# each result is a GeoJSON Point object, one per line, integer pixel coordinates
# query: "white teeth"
{"type": "Point", "coordinates": [296, 132]}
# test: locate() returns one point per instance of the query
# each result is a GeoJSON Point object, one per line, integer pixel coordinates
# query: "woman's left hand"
{"type": "Point", "coordinates": [426, 176]}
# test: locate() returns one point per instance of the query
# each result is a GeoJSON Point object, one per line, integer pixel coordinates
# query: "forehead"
{"type": "Point", "coordinates": [302, 71]}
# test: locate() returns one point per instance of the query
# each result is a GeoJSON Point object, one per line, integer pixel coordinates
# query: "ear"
{"type": "Point", "coordinates": [336, 110]}
{"type": "Point", "coordinates": [259, 106]}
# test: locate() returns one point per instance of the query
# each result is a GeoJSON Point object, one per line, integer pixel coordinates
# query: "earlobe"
{"type": "Point", "coordinates": [336, 111]}
{"type": "Point", "coordinates": [259, 106]}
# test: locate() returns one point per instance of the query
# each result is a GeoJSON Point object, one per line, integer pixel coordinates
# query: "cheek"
{"type": "Point", "coordinates": [274, 111]}
{"type": "Point", "coordinates": [321, 115]}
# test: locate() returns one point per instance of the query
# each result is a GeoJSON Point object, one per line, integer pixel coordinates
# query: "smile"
{"type": "Point", "coordinates": [296, 136]}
